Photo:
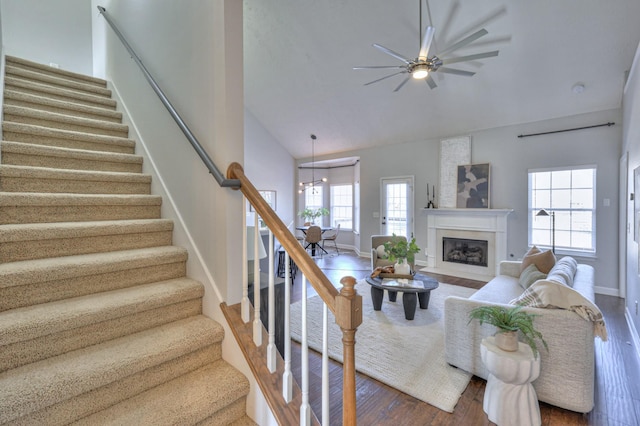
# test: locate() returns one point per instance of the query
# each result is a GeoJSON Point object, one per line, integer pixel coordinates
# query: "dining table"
{"type": "Point", "coordinates": [315, 245]}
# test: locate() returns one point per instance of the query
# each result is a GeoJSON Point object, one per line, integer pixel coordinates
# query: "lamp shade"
{"type": "Point", "coordinates": [262, 253]}
{"type": "Point", "coordinates": [542, 212]}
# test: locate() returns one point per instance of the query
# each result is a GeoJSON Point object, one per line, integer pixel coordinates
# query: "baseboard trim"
{"type": "Point", "coordinates": [635, 337]}
{"type": "Point", "coordinates": [607, 291]}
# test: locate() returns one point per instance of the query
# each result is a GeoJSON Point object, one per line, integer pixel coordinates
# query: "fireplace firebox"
{"type": "Point", "coordinates": [466, 251]}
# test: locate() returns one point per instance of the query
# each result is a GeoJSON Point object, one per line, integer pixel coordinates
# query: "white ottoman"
{"type": "Point", "coordinates": [509, 398]}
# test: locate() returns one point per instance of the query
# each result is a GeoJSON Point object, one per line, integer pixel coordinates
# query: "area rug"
{"type": "Point", "coordinates": [406, 355]}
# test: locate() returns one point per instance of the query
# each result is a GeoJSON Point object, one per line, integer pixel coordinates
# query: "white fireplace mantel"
{"type": "Point", "coordinates": [486, 224]}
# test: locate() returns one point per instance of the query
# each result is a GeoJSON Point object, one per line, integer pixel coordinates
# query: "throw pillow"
{"type": "Point", "coordinates": [382, 253]}
{"type": "Point", "coordinates": [563, 271]}
{"type": "Point", "coordinates": [530, 275]}
{"type": "Point", "coordinates": [544, 260]}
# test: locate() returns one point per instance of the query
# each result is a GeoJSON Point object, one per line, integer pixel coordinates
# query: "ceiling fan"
{"type": "Point", "coordinates": [422, 67]}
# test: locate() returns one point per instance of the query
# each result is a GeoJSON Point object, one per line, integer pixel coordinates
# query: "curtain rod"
{"type": "Point", "coordinates": [567, 130]}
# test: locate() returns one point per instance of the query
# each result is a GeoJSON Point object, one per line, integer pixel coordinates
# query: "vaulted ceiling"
{"type": "Point", "coordinates": [299, 55]}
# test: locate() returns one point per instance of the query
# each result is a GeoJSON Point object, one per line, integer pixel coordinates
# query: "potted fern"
{"type": "Point", "coordinates": [509, 321]}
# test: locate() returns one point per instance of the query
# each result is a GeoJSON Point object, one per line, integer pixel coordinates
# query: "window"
{"type": "Point", "coordinates": [342, 206]}
{"type": "Point", "coordinates": [313, 200]}
{"type": "Point", "coordinates": [568, 195]}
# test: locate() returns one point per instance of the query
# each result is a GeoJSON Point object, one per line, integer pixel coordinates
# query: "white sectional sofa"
{"type": "Point", "coordinates": [567, 370]}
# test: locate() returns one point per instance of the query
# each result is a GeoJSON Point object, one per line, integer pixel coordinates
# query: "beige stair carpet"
{"type": "Point", "coordinates": [99, 323]}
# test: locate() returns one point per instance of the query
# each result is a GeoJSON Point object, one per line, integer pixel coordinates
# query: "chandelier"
{"type": "Point", "coordinates": [313, 182]}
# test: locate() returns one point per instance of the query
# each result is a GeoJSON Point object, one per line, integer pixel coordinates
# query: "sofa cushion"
{"type": "Point", "coordinates": [382, 253]}
{"type": "Point", "coordinates": [530, 275]}
{"type": "Point", "coordinates": [544, 260]}
{"type": "Point", "coordinates": [564, 271]}
{"type": "Point", "coordinates": [500, 289]}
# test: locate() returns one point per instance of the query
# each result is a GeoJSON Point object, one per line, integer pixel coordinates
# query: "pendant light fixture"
{"type": "Point", "coordinates": [311, 184]}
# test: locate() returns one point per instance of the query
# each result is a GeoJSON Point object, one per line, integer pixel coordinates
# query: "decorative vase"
{"type": "Point", "coordinates": [507, 340]}
{"type": "Point", "coordinates": [402, 267]}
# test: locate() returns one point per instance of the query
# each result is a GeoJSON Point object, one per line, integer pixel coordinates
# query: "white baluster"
{"type": "Point", "coordinates": [244, 302]}
{"type": "Point", "coordinates": [287, 377]}
{"type": "Point", "coordinates": [305, 410]}
{"type": "Point", "coordinates": [257, 325]}
{"type": "Point", "coordinates": [325, 365]}
{"type": "Point", "coordinates": [271, 346]}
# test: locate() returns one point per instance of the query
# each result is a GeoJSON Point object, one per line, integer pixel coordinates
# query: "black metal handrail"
{"type": "Point", "coordinates": [219, 177]}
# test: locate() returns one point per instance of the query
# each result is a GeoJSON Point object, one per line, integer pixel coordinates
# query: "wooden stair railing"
{"type": "Point", "coordinates": [345, 305]}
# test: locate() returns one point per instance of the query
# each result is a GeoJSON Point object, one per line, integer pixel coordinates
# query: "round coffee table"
{"type": "Point", "coordinates": [410, 295]}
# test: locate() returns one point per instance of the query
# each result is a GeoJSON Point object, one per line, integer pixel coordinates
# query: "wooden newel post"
{"type": "Point", "coordinates": [348, 317]}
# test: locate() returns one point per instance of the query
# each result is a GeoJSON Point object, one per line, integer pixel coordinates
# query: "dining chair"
{"type": "Point", "coordinates": [332, 237]}
{"type": "Point", "coordinates": [312, 238]}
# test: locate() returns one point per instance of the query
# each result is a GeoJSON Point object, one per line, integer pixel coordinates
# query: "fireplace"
{"type": "Point", "coordinates": [467, 243]}
{"type": "Point", "coordinates": [465, 251]}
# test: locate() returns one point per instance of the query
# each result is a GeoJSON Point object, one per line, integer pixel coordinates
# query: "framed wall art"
{"type": "Point", "coordinates": [473, 186]}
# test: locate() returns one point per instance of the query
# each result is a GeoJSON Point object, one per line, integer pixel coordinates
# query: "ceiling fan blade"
{"type": "Point", "coordinates": [470, 57]}
{"type": "Point", "coordinates": [426, 43]}
{"type": "Point", "coordinates": [392, 53]}
{"type": "Point", "coordinates": [387, 76]}
{"type": "Point", "coordinates": [403, 83]}
{"type": "Point", "coordinates": [431, 82]}
{"type": "Point", "coordinates": [456, 71]}
{"type": "Point", "coordinates": [469, 39]}
{"type": "Point", "coordinates": [379, 67]}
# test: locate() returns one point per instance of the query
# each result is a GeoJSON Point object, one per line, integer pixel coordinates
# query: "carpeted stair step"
{"type": "Point", "coordinates": [28, 133]}
{"type": "Point", "coordinates": [214, 394]}
{"type": "Point", "coordinates": [17, 114]}
{"type": "Point", "coordinates": [57, 93]}
{"type": "Point", "coordinates": [42, 103]}
{"type": "Point", "coordinates": [55, 72]}
{"type": "Point", "coordinates": [42, 179]}
{"type": "Point", "coordinates": [47, 240]}
{"type": "Point", "coordinates": [37, 332]}
{"type": "Point", "coordinates": [26, 154]}
{"type": "Point", "coordinates": [34, 207]}
{"type": "Point", "coordinates": [32, 282]}
{"type": "Point", "coordinates": [57, 82]}
{"type": "Point", "coordinates": [79, 383]}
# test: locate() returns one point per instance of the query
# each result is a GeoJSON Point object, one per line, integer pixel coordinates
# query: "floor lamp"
{"type": "Point", "coordinates": [543, 212]}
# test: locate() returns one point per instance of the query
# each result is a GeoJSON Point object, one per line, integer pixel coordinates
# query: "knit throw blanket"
{"type": "Point", "coordinates": [551, 294]}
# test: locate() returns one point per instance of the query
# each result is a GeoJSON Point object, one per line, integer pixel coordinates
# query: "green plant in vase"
{"type": "Point", "coordinates": [401, 251]}
{"type": "Point", "coordinates": [310, 215]}
{"type": "Point", "coordinates": [509, 321]}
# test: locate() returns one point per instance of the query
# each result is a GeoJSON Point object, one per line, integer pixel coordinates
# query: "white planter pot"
{"type": "Point", "coordinates": [402, 267]}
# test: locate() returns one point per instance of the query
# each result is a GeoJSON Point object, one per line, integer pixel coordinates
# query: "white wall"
{"type": "Point", "coordinates": [510, 159]}
{"type": "Point", "coordinates": [269, 166]}
{"type": "Point", "coordinates": [631, 108]}
{"type": "Point", "coordinates": [194, 51]}
{"type": "Point", "coordinates": [49, 31]}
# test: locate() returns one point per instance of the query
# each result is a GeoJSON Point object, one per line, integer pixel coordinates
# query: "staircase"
{"type": "Point", "coordinates": [98, 322]}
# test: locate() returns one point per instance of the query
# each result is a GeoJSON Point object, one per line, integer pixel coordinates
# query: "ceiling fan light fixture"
{"type": "Point", "coordinates": [420, 72]}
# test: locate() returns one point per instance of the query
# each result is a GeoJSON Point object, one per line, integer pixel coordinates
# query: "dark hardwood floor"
{"type": "Point", "coordinates": [617, 399]}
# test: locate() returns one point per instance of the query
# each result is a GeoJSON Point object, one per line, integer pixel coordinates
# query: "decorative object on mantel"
{"type": "Point", "coordinates": [453, 152]}
{"type": "Point", "coordinates": [401, 251]}
{"type": "Point", "coordinates": [473, 186]}
{"type": "Point", "coordinates": [509, 321]}
{"type": "Point", "coordinates": [431, 201]}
